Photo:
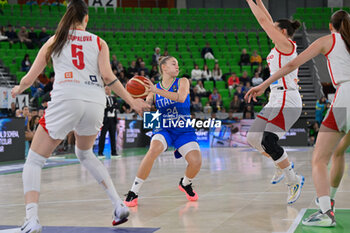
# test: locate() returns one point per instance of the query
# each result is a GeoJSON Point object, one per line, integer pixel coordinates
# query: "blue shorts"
{"type": "Point", "coordinates": [177, 139]}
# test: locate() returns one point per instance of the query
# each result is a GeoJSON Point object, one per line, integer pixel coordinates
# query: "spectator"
{"type": "Point", "coordinates": [214, 97]}
{"type": "Point", "coordinates": [207, 108]}
{"type": "Point", "coordinates": [255, 59]}
{"type": "Point", "coordinates": [19, 113]}
{"type": "Point", "coordinates": [232, 81]}
{"type": "Point", "coordinates": [41, 112]}
{"type": "Point", "coordinates": [196, 73]}
{"type": "Point", "coordinates": [43, 36]}
{"type": "Point", "coordinates": [120, 68]}
{"type": "Point", "coordinates": [206, 73]}
{"type": "Point", "coordinates": [156, 56]}
{"type": "Point", "coordinates": [26, 63]}
{"type": "Point", "coordinates": [24, 38]}
{"type": "Point", "coordinates": [217, 107]}
{"type": "Point", "coordinates": [154, 74]}
{"type": "Point", "coordinates": [320, 109]}
{"type": "Point", "coordinates": [265, 72]}
{"type": "Point", "coordinates": [313, 132]}
{"type": "Point", "coordinates": [200, 89]}
{"type": "Point", "coordinates": [196, 105]}
{"type": "Point", "coordinates": [43, 78]}
{"type": "Point", "coordinates": [3, 36]}
{"type": "Point", "coordinates": [33, 37]}
{"type": "Point", "coordinates": [122, 78]}
{"type": "Point", "coordinates": [12, 110]}
{"type": "Point", "coordinates": [217, 72]}
{"type": "Point", "coordinates": [245, 59]}
{"type": "Point", "coordinates": [37, 90]}
{"type": "Point", "coordinates": [207, 52]}
{"type": "Point", "coordinates": [138, 63]}
{"type": "Point", "coordinates": [142, 73]}
{"type": "Point", "coordinates": [144, 68]}
{"type": "Point", "coordinates": [257, 80]}
{"type": "Point", "coordinates": [244, 78]}
{"type": "Point", "coordinates": [166, 53]}
{"type": "Point", "coordinates": [48, 87]}
{"type": "Point", "coordinates": [248, 112]}
{"type": "Point", "coordinates": [114, 62]}
{"type": "Point", "coordinates": [236, 104]}
{"type": "Point", "coordinates": [34, 123]}
{"type": "Point", "coordinates": [11, 35]}
{"type": "Point", "coordinates": [126, 108]}
{"type": "Point", "coordinates": [132, 70]}
{"type": "Point", "coordinates": [43, 105]}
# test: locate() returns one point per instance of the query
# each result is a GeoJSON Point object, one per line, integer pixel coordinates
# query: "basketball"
{"type": "Point", "coordinates": [136, 87]}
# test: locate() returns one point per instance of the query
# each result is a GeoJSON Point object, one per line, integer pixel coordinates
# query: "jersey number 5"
{"type": "Point", "coordinates": [78, 56]}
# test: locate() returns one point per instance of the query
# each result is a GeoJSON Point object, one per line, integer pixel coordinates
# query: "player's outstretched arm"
{"type": "Point", "coordinates": [263, 8]}
{"type": "Point", "coordinates": [111, 80]}
{"type": "Point", "coordinates": [35, 70]}
{"type": "Point", "coordinates": [322, 45]}
{"type": "Point", "coordinates": [179, 96]}
{"type": "Point", "coordinates": [280, 40]}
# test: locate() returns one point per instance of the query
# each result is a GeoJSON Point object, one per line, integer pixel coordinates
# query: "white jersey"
{"type": "Point", "coordinates": [77, 75]}
{"type": "Point", "coordinates": [338, 60]}
{"type": "Point", "coordinates": [276, 60]}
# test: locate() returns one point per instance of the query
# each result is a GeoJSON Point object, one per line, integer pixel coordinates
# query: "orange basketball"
{"type": "Point", "coordinates": [136, 87]}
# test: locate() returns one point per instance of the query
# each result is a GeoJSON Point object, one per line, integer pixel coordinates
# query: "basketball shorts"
{"type": "Point", "coordinates": [282, 111]}
{"type": "Point", "coordinates": [177, 139]}
{"type": "Point", "coordinates": [61, 117]}
{"type": "Point", "coordinates": [338, 116]}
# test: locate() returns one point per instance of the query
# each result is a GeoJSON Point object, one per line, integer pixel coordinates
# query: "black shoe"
{"type": "Point", "coordinates": [190, 193]}
{"type": "Point", "coordinates": [131, 199]}
{"type": "Point", "coordinates": [100, 154]}
{"type": "Point", "coordinates": [115, 154]}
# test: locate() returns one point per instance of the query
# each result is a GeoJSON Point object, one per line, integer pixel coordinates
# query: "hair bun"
{"type": "Point", "coordinates": [296, 24]}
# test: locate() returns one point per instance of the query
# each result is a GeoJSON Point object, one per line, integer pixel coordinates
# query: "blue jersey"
{"type": "Point", "coordinates": [174, 114]}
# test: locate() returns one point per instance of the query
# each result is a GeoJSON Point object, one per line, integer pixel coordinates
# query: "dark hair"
{"type": "Point", "coordinates": [76, 11]}
{"type": "Point", "coordinates": [341, 22]}
{"type": "Point", "coordinates": [162, 60]}
{"type": "Point", "coordinates": [291, 26]}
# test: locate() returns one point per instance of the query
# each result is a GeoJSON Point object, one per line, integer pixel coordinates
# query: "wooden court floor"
{"type": "Point", "coordinates": [235, 194]}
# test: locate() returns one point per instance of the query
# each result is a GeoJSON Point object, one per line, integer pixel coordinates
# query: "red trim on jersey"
{"type": "Point", "coordinates": [333, 35]}
{"type": "Point", "coordinates": [287, 54]}
{"type": "Point", "coordinates": [279, 119]}
{"type": "Point", "coordinates": [42, 122]}
{"type": "Point", "coordinates": [261, 117]}
{"type": "Point", "coordinates": [330, 121]}
{"type": "Point", "coordinates": [331, 72]}
{"type": "Point", "coordinates": [280, 66]}
{"type": "Point", "coordinates": [99, 43]}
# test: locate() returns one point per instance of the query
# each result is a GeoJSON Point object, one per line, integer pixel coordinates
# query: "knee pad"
{"type": "Point", "coordinates": [255, 139]}
{"type": "Point", "coordinates": [161, 138]}
{"type": "Point", "coordinates": [183, 150]}
{"type": "Point", "coordinates": [31, 175]}
{"type": "Point", "coordinates": [88, 159]}
{"type": "Point", "coordinates": [270, 145]}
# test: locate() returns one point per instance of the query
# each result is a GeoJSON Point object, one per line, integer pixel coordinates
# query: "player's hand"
{"type": "Point", "coordinates": [15, 91]}
{"type": "Point", "coordinates": [254, 92]}
{"type": "Point", "coordinates": [150, 86]}
{"type": "Point", "coordinates": [140, 106]}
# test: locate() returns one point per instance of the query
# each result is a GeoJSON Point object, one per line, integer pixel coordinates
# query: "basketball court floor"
{"type": "Point", "coordinates": [235, 195]}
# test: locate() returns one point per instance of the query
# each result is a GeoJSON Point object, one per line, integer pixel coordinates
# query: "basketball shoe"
{"type": "Point", "coordinates": [31, 225]}
{"type": "Point", "coordinates": [332, 204]}
{"type": "Point", "coordinates": [190, 193]}
{"type": "Point", "coordinates": [294, 190]}
{"type": "Point", "coordinates": [321, 220]}
{"type": "Point", "coordinates": [120, 215]}
{"type": "Point", "coordinates": [279, 175]}
{"type": "Point", "coordinates": [131, 199]}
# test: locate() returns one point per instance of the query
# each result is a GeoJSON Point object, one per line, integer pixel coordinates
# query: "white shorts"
{"type": "Point", "coordinates": [61, 117]}
{"type": "Point", "coordinates": [338, 116]}
{"type": "Point", "coordinates": [282, 111]}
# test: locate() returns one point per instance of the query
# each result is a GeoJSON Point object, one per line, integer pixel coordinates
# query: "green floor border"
{"type": "Point", "coordinates": [342, 217]}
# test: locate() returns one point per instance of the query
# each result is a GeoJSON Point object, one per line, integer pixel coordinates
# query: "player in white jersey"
{"type": "Point", "coordinates": [80, 60]}
{"type": "Point", "coordinates": [284, 106]}
{"type": "Point", "coordinates": [336, 48]}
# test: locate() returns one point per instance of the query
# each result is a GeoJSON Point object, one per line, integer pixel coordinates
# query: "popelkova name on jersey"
{"type": "Point", "coordinates": [155, 120]}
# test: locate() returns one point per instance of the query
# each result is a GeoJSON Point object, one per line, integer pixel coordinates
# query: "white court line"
{"type": "Point", "coordinates": [296, 221]}
{"type": "Point", "coordinates": [13, 230]}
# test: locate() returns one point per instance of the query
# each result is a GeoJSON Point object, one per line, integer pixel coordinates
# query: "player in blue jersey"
{"type": "Point", "coordinates": [172, 100]}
